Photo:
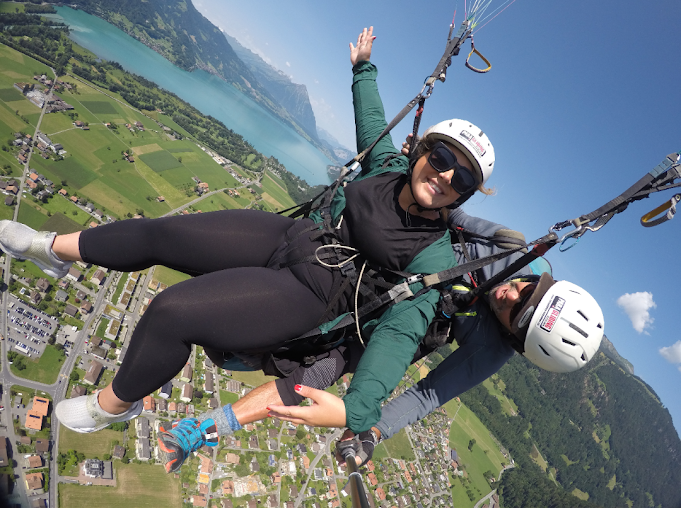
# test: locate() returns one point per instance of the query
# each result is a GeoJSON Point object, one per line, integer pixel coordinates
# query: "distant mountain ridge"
{"type": "Point", "coordinates": [291, 96]}
{"type": "Point", "coordinates": [608, 348]}
{"type": "Point", "coordinates": [342, 153]}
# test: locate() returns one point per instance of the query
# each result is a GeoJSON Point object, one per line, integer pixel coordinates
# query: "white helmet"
{"type": "Point", "coordinates": [470, 140]}
{"type": "Point", "coordinates": [561, 326]}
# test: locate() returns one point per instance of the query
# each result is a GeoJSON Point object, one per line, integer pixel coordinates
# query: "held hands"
{"type": "Point", "coordinates": [327, 410]}
{"type": "Point", "coordinates": [362, 52]}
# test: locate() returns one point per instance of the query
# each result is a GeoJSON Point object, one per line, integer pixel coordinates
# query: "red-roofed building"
{"type": "Point", "coordinates": [199, 501]}
{"type": "Point", "coordinates": [380, 493]}
{"type": "Point", "coordinates": [149, 404]}
{"type": "Point", "coordinates": [372, 479]}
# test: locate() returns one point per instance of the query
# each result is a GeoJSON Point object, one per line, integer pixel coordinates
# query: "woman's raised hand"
{"type": "Point", "coordinates": [362, 51]}
{"type": "Point", "coordinates": [327, 410]}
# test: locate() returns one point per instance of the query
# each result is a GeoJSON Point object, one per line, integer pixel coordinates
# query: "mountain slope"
{"type": "Point", "coordinates": [602, 432]}
{"type": "Point", "coordinates": [608, 348]}
{"type": "Point", "coordinates": [290, 95]}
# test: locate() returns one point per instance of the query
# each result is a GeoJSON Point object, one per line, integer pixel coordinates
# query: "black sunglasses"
{"type": "Point", "coordinates": [524, 296]}
{"type": "Point", "coordinates": [442, 159]}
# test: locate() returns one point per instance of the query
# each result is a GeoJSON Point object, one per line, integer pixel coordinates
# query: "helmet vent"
{"type": "Point", "coordinates": [583, 315]}
{"type": "Point", "coordinates": [599, 325]}
{"type": "Point", "coordinates": [579, 330]}
{"type": "Point", "coordinates": [544, 350]}
{"type": "Point", "coordinates": [568, 342]}
{"type": "Point", "coordinates": [584, 358]}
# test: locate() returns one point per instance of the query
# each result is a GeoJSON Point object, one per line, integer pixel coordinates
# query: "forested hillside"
{"type": "Point", "coordinates": [602, 432]}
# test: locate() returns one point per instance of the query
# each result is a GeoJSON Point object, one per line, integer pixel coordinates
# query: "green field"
{"type": "Point", "coordinates": [11, 7]}
{"type": "Point", "coordinates": [168, 276]}
{"type": "Point", "coordinates": [10, 94]}
{"type": "Point", "coordinates": [160, 161]}
{"type": "Point", "coordinates": [485, 454]}
{"type": "Point", "coordinates": [100, 107]}
{"type": "Point", "coordinates": [254, 378]}
{"type": "Point", "coordinates": [45, 369]}
{"type": "Point", "coordinates": [138, 486]}
{"type": "Point", "coordinates": [91, 445]}
{"type": "Point", "coordinates": [62, 224]}
{"type": "Point", "coordinates": [228, 397]}
{"type": "Point", "coordinates": [275, 192]}
{"type": "Point", "coordinates": [30, 216]}
{"type": "Point", "coordinates": [398, 446]}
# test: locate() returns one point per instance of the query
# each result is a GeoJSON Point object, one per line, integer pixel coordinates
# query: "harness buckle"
{"type": "Point", "coordinates": [670, 206]}
{"type": "Point", "coordinates": [400, 292]}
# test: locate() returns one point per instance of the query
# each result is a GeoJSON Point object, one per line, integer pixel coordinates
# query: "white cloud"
{"type": "Point", "coordinates": [637, 305]}
{"type": "Point", "coordinates": [672, 353]}
{"type": "Point", "coordinates": [288, 64]}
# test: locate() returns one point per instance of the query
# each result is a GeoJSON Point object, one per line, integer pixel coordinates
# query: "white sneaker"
{"type": "Point", "coordinates": [84, 414]}
{"type": "Point", "coordinates": [23, 242]}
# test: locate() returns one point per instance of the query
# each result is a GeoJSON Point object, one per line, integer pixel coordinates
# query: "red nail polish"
{"type": "Point", "coordinates": [297, 388]}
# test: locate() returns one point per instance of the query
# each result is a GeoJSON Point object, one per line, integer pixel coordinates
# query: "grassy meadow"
{"type": "Point", "coordinates": [484, 455]}
{"type": "Point", "coordinates": [138, 485]}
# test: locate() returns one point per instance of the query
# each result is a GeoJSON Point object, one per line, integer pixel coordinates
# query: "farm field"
{"type": "Point", "coordinates": [138, 485]}
{"type": "Point", "coordinates": [16, 67]}
{"type": "Point", "coordinates": [484, 456]}
{"type": "Point", "coordinates": [275, 192]}
{"type": "Point", "coordinates": [398, 446]}
{"type": "Point", "coordinates": [168, 276]}
{"type": "Point", "coordinates": [254, 378]}
{"type": "Point", "coordinates": [91, 445]}
{"type": "Point", "coordinates": [93, 166]}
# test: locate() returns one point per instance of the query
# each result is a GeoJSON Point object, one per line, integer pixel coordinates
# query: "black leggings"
{"type": "Point", "coordinates": [233, 303]}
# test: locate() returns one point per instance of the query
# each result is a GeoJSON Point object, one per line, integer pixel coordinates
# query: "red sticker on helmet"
{"type": "Point", "coordinates": [551, 314]}
{"type": "Point", "coordinates": [473, 142]}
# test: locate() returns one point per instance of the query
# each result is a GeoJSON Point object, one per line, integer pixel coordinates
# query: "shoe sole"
{"type": "Point", "coordinates": [166, 458]}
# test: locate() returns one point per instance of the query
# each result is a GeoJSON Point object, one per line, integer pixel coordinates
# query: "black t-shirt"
{"type": "Point", "coordinates": [375, 223]}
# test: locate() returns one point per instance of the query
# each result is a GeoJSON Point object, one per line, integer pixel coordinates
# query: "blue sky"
{"type": "Point", "coordinates": [582, 100]}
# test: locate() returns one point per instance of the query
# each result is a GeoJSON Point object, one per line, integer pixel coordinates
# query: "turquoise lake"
{"type": "Point", "coordinates": [207, 93]}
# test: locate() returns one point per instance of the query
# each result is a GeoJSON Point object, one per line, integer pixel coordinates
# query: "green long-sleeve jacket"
{"type": "Point", "coordinates": [394, 336]}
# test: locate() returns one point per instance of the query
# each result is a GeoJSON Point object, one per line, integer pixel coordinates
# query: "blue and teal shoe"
{"type": "Point", "coordinates": [183, 437]}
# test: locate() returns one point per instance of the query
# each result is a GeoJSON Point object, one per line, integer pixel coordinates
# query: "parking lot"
{"type": "Point", "coordinates": [28, 328]}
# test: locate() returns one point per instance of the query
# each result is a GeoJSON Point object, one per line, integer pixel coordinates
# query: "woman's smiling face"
{"type": "Point", "coordinates": [432, 189]}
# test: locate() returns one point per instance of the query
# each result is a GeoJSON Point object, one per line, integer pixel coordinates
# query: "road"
{"type": "Point", "coordinates": [489, 496]}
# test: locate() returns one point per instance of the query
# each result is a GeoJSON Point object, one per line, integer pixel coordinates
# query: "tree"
{"type": "Point", "coordinates": [119, 427]}
{"type": "Point", "coordinates": [74, 376]}
{"type": "Point", "coordinates": [471, 443]}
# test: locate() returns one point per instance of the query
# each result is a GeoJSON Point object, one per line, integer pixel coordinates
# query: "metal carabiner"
{"type": "Point", "coordinates": [575, 234]}
{"type": "Point", "coordinates": [647, 220]}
